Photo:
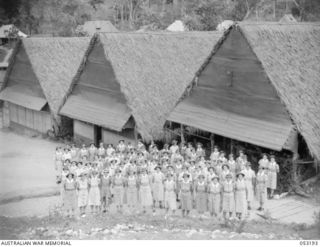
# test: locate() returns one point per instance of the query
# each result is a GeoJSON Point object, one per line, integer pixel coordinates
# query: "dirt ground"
{"type": "Point", "coordinates": [26, 164]}
{"type": "Point", "coordinates": [27, 172]}
{"type": "Point", "coordinates": [140, 226]}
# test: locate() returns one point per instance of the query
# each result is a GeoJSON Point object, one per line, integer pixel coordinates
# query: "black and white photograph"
{"type": "Point", "coordinates": [159, 120]}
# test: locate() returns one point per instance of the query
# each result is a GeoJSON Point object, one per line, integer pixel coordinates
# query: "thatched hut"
{"type": "Point", "coordinates": [260, 87]}
{"type": "Point", "coordinates": [130, 82]}
{"type": "Point", "coordinates": [39, 75]}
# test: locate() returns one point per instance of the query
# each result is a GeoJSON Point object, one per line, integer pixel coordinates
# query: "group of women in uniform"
{"type": "Point", "coordinates": [175, 177]}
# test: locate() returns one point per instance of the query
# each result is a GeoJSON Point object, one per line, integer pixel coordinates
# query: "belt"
{"type": "Point", "coordinates": [214, 193]}
{"type": "Point", "coordinates": [228, 192]}
{"type": "Point", "coordinates": [70, 189]}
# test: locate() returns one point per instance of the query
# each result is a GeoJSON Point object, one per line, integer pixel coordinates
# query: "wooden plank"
{"type": "Point", "coordinates": [13, 113]}
{"type": "Point", "coordinates": [36, 121]}
{"type": "Point", "coordinates": [22, 116]}
{"type": "Point", "coordinates": [48, 122]}
{"type": "Point", "coordinates": [29, 118]}
{"type": "Point", "coordinates": [42, 122]}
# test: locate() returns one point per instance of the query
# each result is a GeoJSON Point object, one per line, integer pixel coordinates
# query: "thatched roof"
{"type": "Point", "coordinates": [6, 29]}
{"type": "Point", "coordinates": [154, 69]}
{"type": "Point", "coordinates": [56, 62]}
{"type": "Point", "coordinates": [290, 55]}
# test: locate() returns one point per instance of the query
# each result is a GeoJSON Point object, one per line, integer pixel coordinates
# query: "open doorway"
{"type": "Point", "coordinates": [97, 134]}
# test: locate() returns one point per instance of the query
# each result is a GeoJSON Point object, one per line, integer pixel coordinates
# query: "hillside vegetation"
{"type": "Point", "coordinates": [61, 17]}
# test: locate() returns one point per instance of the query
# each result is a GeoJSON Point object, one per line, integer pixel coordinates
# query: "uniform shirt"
{"type": "Point", "coordinates": [215, 156]}
{"type": "Point", "coordinates": [174, 148]}
{"type": "Point", "coordinates": [264, 163]}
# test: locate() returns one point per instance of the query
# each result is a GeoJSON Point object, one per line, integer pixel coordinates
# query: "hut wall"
{"type": "Point", "coordinates": [5, 115]}
{"type": "Point", "coordinates": [83, 132]}
{"type": "Point", "coordinates": [113, 137]}
{"type": "Point", "coordinates": [26, 119]}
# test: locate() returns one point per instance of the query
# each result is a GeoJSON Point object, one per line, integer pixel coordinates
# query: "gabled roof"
{"type": "Point", "coordinates": [55, 62]}
{"type": "Point", "coordinates": [4, 29]}
{"type": "Point", "coordinates": [154, 70]}
{"type": "Point", "coordinates": [290, 55]}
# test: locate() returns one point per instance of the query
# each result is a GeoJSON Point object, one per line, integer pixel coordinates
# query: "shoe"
{"type": "Point", "coordinates": [260, 209]}
{"type": "Point", "coordinates": [249, 208]}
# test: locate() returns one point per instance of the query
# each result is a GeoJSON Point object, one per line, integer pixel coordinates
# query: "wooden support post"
{"type": "Point", "coordinates": [295, 157]}
{"type": "Point", "coordinates": [212, 142]}
{"type": "Point", "coordinates": [231, 146]}
{"type": "Point", "coordinates": [135, 133]}
{"type": "Point", "coordinates": [316, 165]}
{"type": "Point", "coordinates": [182, 134]}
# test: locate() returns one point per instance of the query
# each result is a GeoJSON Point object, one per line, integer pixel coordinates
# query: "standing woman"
{"type": "Point", "coordinates": [94, 192]}
{"type": "Point", "coordinates": [83, 151]}
{"type": "Point", "coordinates": [106, 180]}
{"type": "Point", "coordinates": [58, 163]}
{"type": "Point", "coordinates": [118, 189]}
{"type": "Point", "coordinates": [261, 187]}
{"type": "Point", "coordinates": [201, 195]}
{"type": "Point", "coordinates": [101, 150]}
{"type": "Point", "coordinates": [157, 186]}
{"type": "Point", "coordinates": [228, 197]}
{"type": "Point", "coordinates": [211, 174]}
{"type": "Point", "coordinates": [264, 162]}
{"type": "Point", "coordinates": [92, 152]}
{"type": "Point", "coordinates": [74, 152]}
{"type": "Point", "coordinates": [232, 165]}
{"type": "Point", "coordinates": [214, 194]}
{"type": "Point", "coordinates": [170, 197]}
{"type": "Point", "coordinates": [273, 170]}
{"type": "Point", "coordinates": [83, 186]}
{"type": "Point", "coordinates": [249, 177]}
{"type": "Point", "coordinates": [214, 156]}
{"type": "Point", "coordinates": [132, 190]}
{"type": "Point", "coordinates": [225, 171]}
{"type": "Point", "coordinates": [145, 190]}
{"type": "Point", "coordinates": [186, 194]}
{"type": "Point", "coordinates": [70, 195]}
{"type": "Point", "coordinates": [240, 196]}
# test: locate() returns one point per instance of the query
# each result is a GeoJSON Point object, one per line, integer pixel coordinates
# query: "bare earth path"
{"type": "Point", "coordinates": [26, 165]}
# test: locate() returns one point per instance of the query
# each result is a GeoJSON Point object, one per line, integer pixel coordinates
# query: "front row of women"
{"type": "Point", "coordinates": [99, 190]}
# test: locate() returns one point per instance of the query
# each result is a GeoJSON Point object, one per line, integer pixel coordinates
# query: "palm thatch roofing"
{"type": "Point", "coordinates": [154, 70]}
{"type": "Point", "coordinates": [290, 55]}
{"type": "Point", "coordinates": [55, 62]}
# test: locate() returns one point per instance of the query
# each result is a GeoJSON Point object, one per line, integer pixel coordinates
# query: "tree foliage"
{"type": "Point", "coordinates": [61, 17]}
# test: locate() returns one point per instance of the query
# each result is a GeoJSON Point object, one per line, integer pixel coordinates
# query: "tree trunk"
{"type": "Point", "coordinates": [131, 14]}
{"type": "Point", "coordinates": [231, 146]}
